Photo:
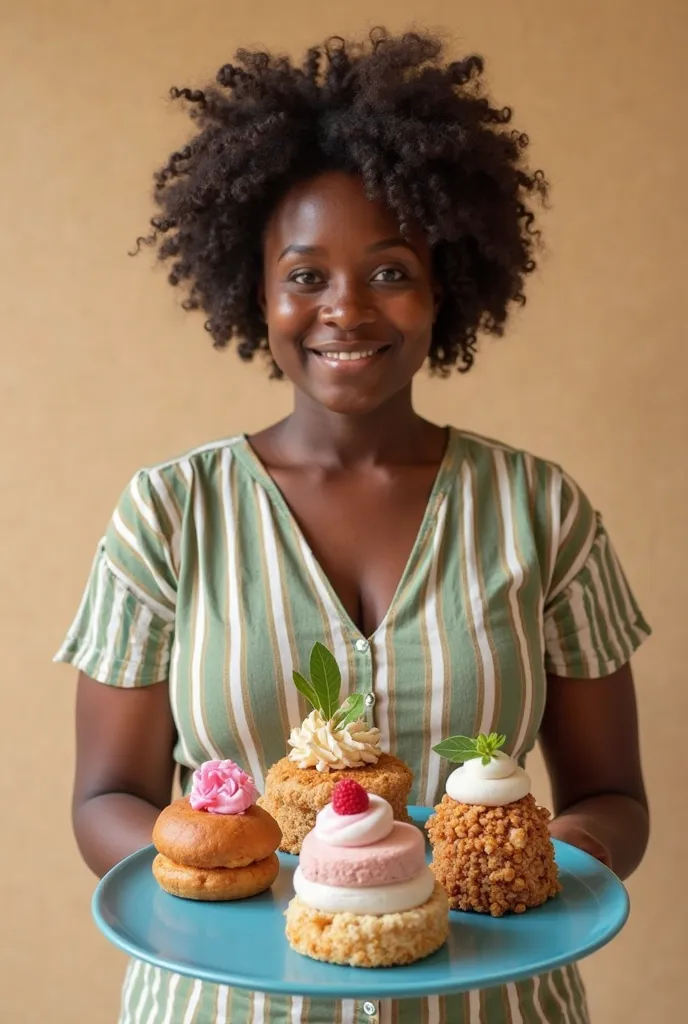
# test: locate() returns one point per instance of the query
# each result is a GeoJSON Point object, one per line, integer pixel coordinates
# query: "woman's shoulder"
{"type": "Point", "coordinates": [162, 491]}
{"type": "Point", "coordinates": [202, 454]}
{"type": "Point", "coordinates": [488, 450]}
{"type": "Point", "coordinates": [539, 481]}
{"type": "Point", "coordinates": [181, 470]}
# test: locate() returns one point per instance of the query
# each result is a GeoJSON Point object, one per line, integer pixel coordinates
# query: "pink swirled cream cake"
{"type": "Point", "coordinates": [492, 850]}
{"type": "Point", "coordinates": [334, 742]}
{"type": "Point", "coordinates": [364, 893]}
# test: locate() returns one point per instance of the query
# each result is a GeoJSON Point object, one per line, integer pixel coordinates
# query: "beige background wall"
{"type": "Point", "coordinates": [101, 373]}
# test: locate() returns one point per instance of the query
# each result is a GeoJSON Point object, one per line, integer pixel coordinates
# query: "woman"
{"type": "Point", "coordinates": [355, 218]}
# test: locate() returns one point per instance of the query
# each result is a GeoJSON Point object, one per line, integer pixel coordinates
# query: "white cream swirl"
{"type": "Point", "coordinates": [495, 784]}
{"type": "Point", "coordinates": [370, 899]}
{"type": "Point", "coordinates": [362, 829]}
{"type": "Point", "coordinates": [318, 744]}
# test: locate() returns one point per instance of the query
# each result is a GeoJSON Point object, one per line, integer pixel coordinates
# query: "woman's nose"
{"type": "Point", "coordinates": [347, 307]}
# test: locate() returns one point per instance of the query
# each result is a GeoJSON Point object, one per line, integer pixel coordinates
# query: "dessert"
{"type": "Point", "coordinates": [492, 850]}
{"type": "Point", "coordinates": [333, 743]}
{"type": "Point", "coordinates": [216, 844]}
{"type": "Point", "coordinates": [364, 893]}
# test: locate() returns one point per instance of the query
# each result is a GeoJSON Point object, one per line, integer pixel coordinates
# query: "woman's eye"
{"type": "Point", "coordinates": [305, 277]}
{"type": "Point", "coordinates": [390, 275]}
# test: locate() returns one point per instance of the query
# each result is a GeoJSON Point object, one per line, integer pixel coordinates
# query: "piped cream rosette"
{"type": "Point", "coordinates": [328, 746]}
{"type": "Point", "coordinates": [499, 782]}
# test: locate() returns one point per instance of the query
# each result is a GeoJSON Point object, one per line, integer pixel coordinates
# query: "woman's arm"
{"type": "Point", "coordinates": [124, 768]}
{"type": "Point", "coordinates": [589, 738]}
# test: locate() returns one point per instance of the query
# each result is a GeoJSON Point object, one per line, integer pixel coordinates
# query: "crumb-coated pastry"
{"type": "Point", "coordinates": [492, 851]}
{"type": "Point", "coordinates": [293, 795]}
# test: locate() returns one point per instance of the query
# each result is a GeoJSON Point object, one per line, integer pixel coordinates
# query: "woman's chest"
{"type": "Point", "coordinates": [363, 529]}
{"type": "Point", "coordinates": [459, 649]}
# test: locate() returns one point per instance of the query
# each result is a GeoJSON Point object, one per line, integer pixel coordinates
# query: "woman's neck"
{"type": "Point", "coordinates": [392, 434]}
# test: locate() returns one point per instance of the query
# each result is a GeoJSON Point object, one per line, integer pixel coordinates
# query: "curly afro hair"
{"type": "Point", "coordinates": [418, 130]}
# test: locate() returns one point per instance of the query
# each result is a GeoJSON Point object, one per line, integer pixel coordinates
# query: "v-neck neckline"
{"type": "Point", "coordinates": [254, 464]}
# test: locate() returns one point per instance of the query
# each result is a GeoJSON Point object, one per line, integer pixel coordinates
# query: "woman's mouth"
{"type": "Point", "coordinates": [346, 359]}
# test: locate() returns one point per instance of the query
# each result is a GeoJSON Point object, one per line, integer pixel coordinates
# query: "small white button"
{"type": "Point", "coordinates": [362, 646]}
{"type": "Point", "coordinates": [370, 700]}
{"type": "Point", "coordinates": [370, 1009]}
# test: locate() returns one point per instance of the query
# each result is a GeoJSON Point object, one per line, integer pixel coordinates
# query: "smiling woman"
{"type": "Point", "coordinates": [355, 217]}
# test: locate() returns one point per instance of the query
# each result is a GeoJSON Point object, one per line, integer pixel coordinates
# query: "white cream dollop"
{"type": "Point", "coordinates": [370, 899]}
{"type": "Point", "coordinates": [500, 782]}
{"type": "Point", "coordinates": [318, 744]}
{"type": "Point", "coordinates": [362, 829]}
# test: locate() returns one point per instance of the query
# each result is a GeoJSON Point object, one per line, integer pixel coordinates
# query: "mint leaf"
{"type": "Point", "coordinates": [304, 687]}
{"type": "Point", "coordinates": [487, 745]}
{"type": "Point", "coordinates": [463, 748]}
{"type": "Point", "coordinates": [326, 679]}
{"type": "Point", "coordinates": [483, 745]}
{"type": "Point", "coordinates": [458, 748]}
{"type": "Point", "coordinates": [352, 709]}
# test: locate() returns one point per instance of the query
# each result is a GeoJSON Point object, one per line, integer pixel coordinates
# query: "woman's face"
{"type": "Point", "coordinates": [349, 303]}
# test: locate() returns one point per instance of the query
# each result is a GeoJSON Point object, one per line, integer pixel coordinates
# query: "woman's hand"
{"type": "Point", "coordinates": [589, 738]}
{"type": "Point", "coordinates": [568, 830]}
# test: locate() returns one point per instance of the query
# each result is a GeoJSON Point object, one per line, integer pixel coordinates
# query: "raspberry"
{"type": "Point", "coordinates": [348, 797]}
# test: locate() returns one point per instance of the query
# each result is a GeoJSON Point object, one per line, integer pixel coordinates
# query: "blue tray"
{"type": "Point", "coordinates": [243, 943]}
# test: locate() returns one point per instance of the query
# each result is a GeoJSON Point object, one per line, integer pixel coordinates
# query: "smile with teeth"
{"type": "Point", "coordinates": [347, 356]}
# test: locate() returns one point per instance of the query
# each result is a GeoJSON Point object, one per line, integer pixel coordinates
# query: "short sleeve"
{"type": "Point", "coordinates": [124, 629]}
{"type": "Point", "coordinates": [592, 623]}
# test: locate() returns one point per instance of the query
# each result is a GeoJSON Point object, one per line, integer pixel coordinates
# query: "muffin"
{"type": "Point", "coordinates": [215, 844]}
{"type": "Point", "coordinates": [365, 896]}
{"type": "Point", "coordinates": [333, 743]}
{"type": "Point", "coordinates": [492, 852]}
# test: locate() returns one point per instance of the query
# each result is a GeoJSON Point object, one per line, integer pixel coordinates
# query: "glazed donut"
{"type": "Point", "coordinates": [199, 839]}
{"type": "Point", "coordinates": [215, 883]}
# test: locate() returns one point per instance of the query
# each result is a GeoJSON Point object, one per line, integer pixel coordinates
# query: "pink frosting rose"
{"type": "Point", "coordinates": [221, 787]}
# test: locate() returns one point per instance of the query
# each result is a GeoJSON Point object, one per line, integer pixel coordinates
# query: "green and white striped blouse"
{"type": "Point", "coordinates": [204, 578]}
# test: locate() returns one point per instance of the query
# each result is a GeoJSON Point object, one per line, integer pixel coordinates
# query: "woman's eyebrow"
{"type": "Point", "coordinates": [391, 243]}
{"type": "Point", "coordinates": [316, 250]}
{"type": "Point", "coordinates": [301, 250]}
